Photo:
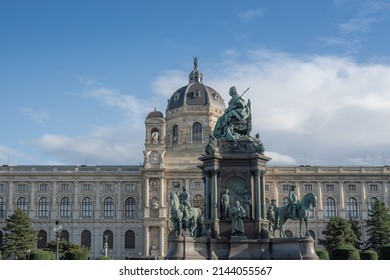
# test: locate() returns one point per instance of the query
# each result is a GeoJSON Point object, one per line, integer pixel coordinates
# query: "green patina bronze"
{"type": "Point", "coordinates": [283, 213]}
{"type": "Point", "coordinates": [183, 216]}
{"type": "Point", "coordinates": [236, 121]}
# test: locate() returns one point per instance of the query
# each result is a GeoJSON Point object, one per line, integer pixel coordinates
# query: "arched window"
{"type": "Point", "coordinates": [129, 239]}
{"type": "Point", "coordinates": [65, 208]}
{"type": "Point", "coordinates": [371, 203]}
{"type": "Point", "coordinates": [2, 208]}
{"type": "Point", "coordinates": [43, 207]}
{"type": "Point", "coordinates": [284, 201]}
{"type": "Point", "coordinates": [65, 235]}
{"type": "Point", "coordinates": [330, 208]}
{"type": "Point", "coordinates": [196, 132]}
{"type": "Point", "coordinates": [86, 208]}
{"type": "Point", "coordinates": [175, 134]}
{"type": "Point", "coordinates": [108, 237]}
{"type": "Point", "coordinates": [197, 201]}
{"type": "Point", "coordinates": [130, 208]}
{"type": "Point", "coordinates": [21, 203]}
{"type": "Point", "coordinates": [352, 209]}
{"type": "Point", "coordinates": [108, 208]}
{"type": "Point", "coordinates": [42, 239]}
{"type": "Point", "coordinates": [86, 238]}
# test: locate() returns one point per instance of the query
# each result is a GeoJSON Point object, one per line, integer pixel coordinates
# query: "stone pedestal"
{"type": "Point", "coordinates": [183, 248]}
{"type": "Point", "coordinates": [239, 248]}
{"type": "Point", "coordinates": [292, 249]}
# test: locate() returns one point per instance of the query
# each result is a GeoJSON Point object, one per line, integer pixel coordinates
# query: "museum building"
{"type": "Point", "coordinates": [126, 208]}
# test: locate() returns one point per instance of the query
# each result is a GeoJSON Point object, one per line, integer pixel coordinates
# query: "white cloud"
{"type": "Point", "coordinates": [40, 116]}
{"type": "Point", "coordinates": [318, 110]}
{"type": "Point", "coordinates": [331, 108]}
{"type": "Point", "coordinates": [250, 14]}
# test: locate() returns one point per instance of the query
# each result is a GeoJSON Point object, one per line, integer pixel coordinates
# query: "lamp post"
{"type": "Point", "coordinates": [57, 230]}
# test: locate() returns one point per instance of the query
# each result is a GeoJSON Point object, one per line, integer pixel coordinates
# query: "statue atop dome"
{"type": "Point", "coordinates": [236, 122]}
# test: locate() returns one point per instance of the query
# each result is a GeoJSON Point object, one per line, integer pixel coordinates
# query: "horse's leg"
{"type": "Point", "coordinates": [307, 226]}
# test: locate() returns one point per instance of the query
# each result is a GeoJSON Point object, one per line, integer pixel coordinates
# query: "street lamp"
{"type": "Point", "coordinates": [58, 230]}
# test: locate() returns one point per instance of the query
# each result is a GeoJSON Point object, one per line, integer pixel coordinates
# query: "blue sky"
{"type": "Point", "coordinates": [77, 78]}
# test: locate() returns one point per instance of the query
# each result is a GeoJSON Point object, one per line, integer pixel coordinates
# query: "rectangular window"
{"type": "Point", "coordinates": [86, 188]}
{"type": "Point", "coordinates": [22, 187]}
{"type": "Point", "coordinates": [267, 188]}
{"type": "Point", "coordinates": [43, 187]}
{"type": "Point", "coordinates": [286, 187]}
{"type": "Point", "coordinates": [329, 188]}
{"type": "Point", "coordinates": [175, 184]}
{"type": "Point", "coordinates": [108, 187]}
{"type": "Point", "coordinates": [198, 185]}
{"type": "Point", "coordinates": [2, 187]}
{"type": "Point", "coordinates": [65, 187]}
{"type": "Point", "coordinates": [308, 187]}
{"type": "Point", "coordinates": [373, 188]}
{"type": "Point", "coordinates": [352, 188]}
{"type": "Point", "coordinates": [130, 187]}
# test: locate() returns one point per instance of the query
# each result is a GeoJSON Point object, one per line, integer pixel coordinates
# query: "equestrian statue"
{"type": "Point", "coordinates": [302, 213]}
{"type": "Point", "coordinates": [184, 216]}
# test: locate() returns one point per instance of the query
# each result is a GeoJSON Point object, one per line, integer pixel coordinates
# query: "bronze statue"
{"type": "Point", "coordinates": [235, 123]}
{"type": "Point", "coordinates": [225, 205]}
{"type": "Point", "coordinates": [183, 216]}
{"type": "Point", "coordinates": [271, 215]}
{"type": "Point", "coordinates": [238, 214]}
{"type": "Point", "coordinates": [282, 214]}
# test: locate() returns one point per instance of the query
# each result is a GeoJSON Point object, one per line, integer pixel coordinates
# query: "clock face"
{"type": "Point", "coordinates": [154, 157]}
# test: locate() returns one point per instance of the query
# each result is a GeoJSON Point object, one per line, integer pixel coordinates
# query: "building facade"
{"type": "Point", "coordinates": [127, 207]}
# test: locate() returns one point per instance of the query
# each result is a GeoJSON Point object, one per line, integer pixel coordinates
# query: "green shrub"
{"type": "Point", "coordinates": [76, 254]}
{"type": "Point", "coordinates": [368, 255]}
{"type": "Point", "coordinates": [322, 254]}
{"type": "Point", "coordinates": [345, 252]}
{"type": "Point", "coordinates": [384, 252]}
{"type": "Point", "coordinates": [41, 255]}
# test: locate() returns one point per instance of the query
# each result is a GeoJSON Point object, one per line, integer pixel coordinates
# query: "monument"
{"type": "Point", "coordinates": [235, 223]}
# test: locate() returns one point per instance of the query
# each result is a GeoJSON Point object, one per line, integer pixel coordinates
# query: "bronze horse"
{"type": "Point", "coordinates": [303, 207]}
{"type": "Point", "coordinates": [193, 223]}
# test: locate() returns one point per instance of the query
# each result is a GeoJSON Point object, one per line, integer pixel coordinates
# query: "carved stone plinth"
{"type": "Point", "coordinates": [292, 249]}
{"type": "Point", "coordinates": [239, 248]}
{"type": "Point", "coordinates": [183, 248]}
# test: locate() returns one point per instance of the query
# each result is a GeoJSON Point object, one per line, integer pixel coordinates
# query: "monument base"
{"type": "Point", "coordinates": [241, 248]}
{"type": "Point", "coordinates": [183, 248]}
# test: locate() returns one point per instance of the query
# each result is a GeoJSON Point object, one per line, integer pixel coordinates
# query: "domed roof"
{"type": "Point", "coordinates": [155, 114]}
{"type": "Point", "coordinates": [196, 93]}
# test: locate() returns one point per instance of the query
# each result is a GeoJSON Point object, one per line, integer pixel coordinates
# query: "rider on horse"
{"type": "Point", "coordinates": [292, 202]}
{"type": "Point", "coordinates": [185, 207]}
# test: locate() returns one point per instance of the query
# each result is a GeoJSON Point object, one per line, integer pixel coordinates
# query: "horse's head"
{"type": "Point", "coordinates": [312, 199]}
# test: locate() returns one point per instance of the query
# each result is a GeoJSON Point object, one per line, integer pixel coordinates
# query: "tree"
{"type": "Point", "coordinates": [19, 236]}
{"type": "Point", "coordinates": [338, 231]}
{"type": "Point", "coordinates": [65, 246]}
{"type": "Point", "coordinates": [357, 229]}
{"type": "Point", "coordinates": [378, 225]}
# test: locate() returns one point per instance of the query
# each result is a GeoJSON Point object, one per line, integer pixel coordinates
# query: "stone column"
{"type": "Point", "coordinates": [215, 192]}
{"type": "Point", "coordinates": [206, 195]}
{"type": "Point", "coordinates": [257, 194]}
{"type": "Point", "coordinates": [146, 241]}
{"type": "Point", "coordinates": [162, 193]}
{"type": "Point", "coordinates": [146, 193]}
{"type": "Point", "coordinates": [162, 241]}
{"type": "Point", "coordinates": [262, 195]}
